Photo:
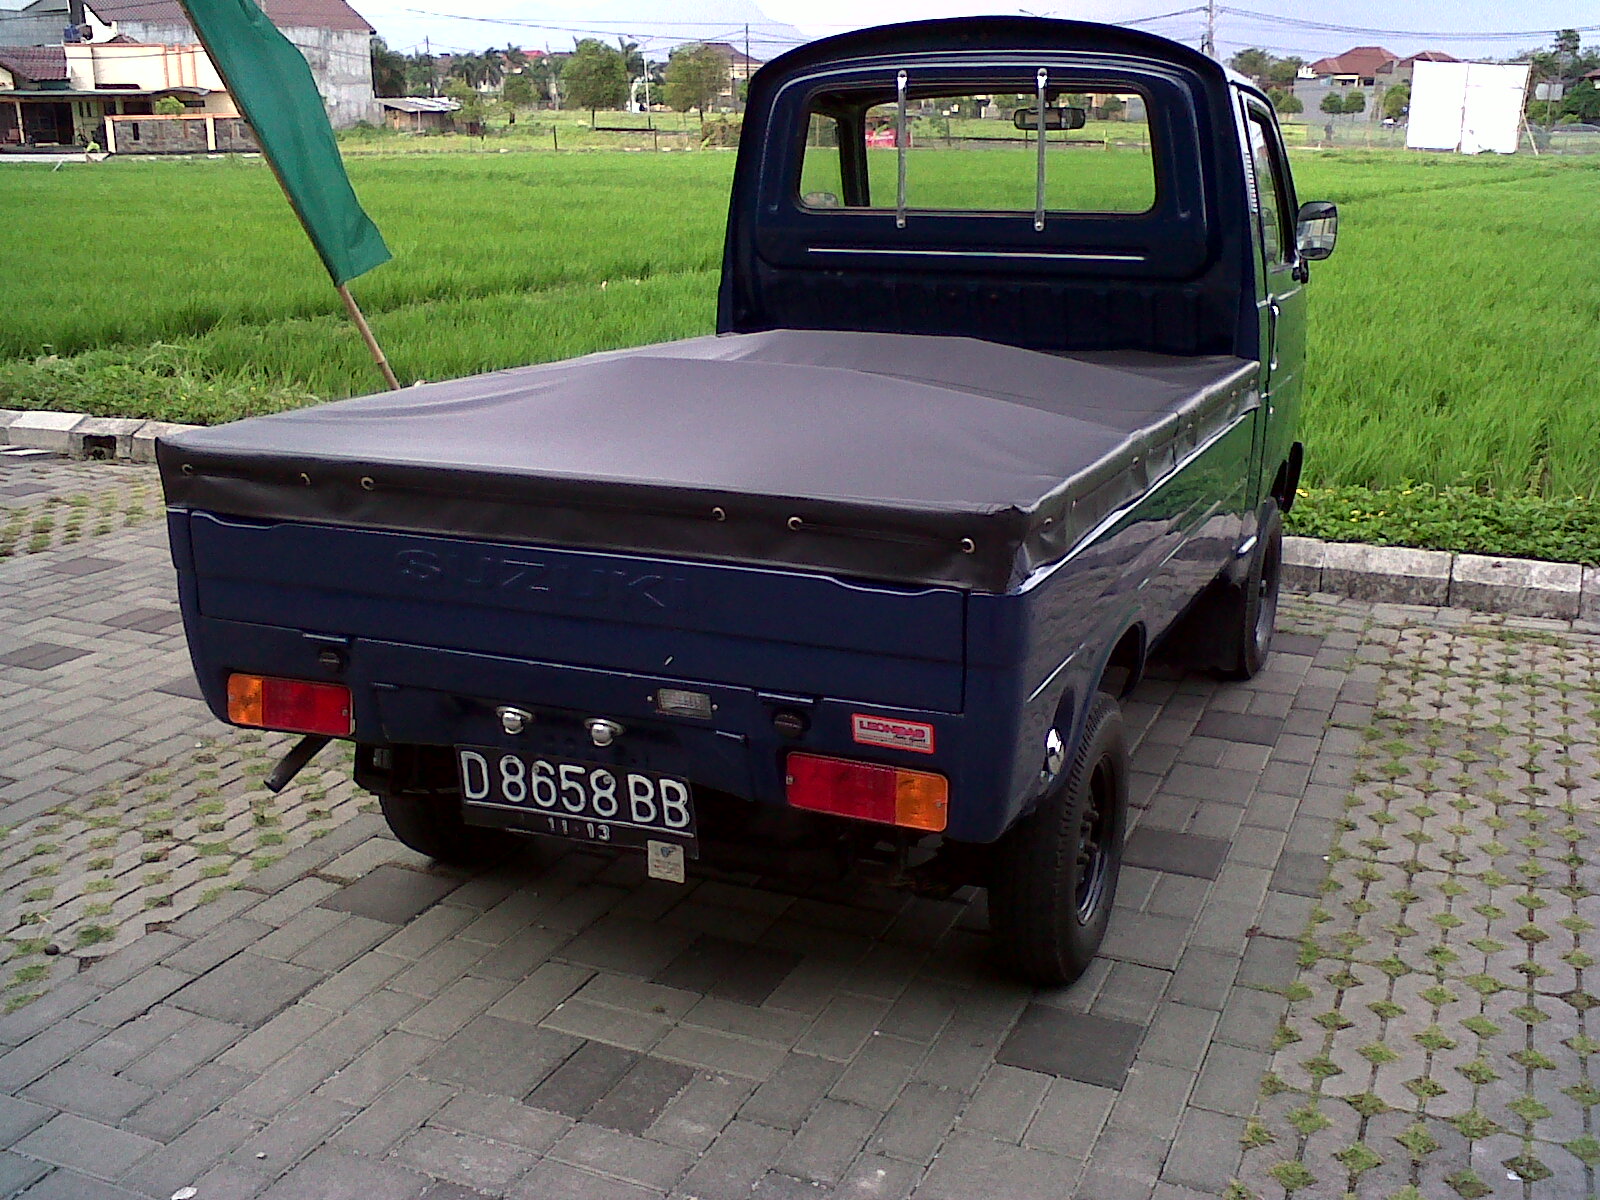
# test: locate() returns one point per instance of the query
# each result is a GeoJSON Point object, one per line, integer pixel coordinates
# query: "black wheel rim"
{"type": "Point", "coordinates": [1094, 841]}
{"type": "Point", "coordinates": [1267, 600]}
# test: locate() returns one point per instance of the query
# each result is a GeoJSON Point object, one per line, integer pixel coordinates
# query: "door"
{"type": "Point", "coordinates": [47, 124]}
{"type": "Point", "coordinates": [1280, 289]}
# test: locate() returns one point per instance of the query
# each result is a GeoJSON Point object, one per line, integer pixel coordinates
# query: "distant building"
{"type": "Point", "coordinates": [740, 67]}
{"type": "Point", "coordinates": [1357, 67]}
{"type": "Point", "coordinates": [419, 114]}
{"type": "Point", "coordinates": [34, 24]}
{"type": "Point", "coordinates": [1370, 69]}
{"type": "Point", "coordinates": [335, 39]}
{"type": "Point", "coordinates": [81, 92]}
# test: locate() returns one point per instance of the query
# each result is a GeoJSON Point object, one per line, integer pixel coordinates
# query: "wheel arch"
{"type": "Point", "coordinates": [1286, 484]}
{"type": "Point", "coordinates": [1122, 666]}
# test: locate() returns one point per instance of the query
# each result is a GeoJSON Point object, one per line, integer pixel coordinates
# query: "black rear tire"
{"type": "Point", "coordinates": [1253, 607]}
{"type": "Point", "coordinates": [1054, 875]}
{"type": "Point", "coordinates": [431, 824]}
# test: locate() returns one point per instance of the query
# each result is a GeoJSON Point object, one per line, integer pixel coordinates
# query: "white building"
{"type": "Point", "coordinates": [335, 39]}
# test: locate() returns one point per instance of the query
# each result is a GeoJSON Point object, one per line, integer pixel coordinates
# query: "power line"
{"type": "Point", "coordinates": [1453, 35]}
{"type": "Point", "coordinates": [1178, 12]}
{"type": "Point", "coordinates": [758, 35]}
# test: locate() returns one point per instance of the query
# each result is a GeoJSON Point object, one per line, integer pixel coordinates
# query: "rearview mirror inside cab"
{"type": "Point", "coordinates": [1054, 118]}
{"type": "Point", "coordinates": [1317, 229]}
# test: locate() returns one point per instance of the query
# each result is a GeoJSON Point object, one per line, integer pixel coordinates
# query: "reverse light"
{"type": "Point", "coordinates": [292, 705]}
{"type": "Point", "coordinates": [869, 792]}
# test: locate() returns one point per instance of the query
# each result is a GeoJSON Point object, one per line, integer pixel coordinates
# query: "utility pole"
{"type": "Point", "coordinates": [746, 62]}
{"type": "Point", "coordinates": [1208, 45]}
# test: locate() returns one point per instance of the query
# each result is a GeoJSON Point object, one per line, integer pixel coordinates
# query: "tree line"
{"type": "Point", "coordinates": [595, 75]}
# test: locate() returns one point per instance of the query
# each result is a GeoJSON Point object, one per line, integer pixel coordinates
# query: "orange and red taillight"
{"type": "Point", "coordinates": [869, 791]}
{"type": "Point", "coordinates": [292, 705]}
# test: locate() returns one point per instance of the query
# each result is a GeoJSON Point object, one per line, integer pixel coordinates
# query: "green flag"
{"type": "Point", "coordinates": [272, 85]}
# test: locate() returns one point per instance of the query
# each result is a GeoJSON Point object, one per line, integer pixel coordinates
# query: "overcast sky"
{"type": "Point", "coordinates": [1406, 26]}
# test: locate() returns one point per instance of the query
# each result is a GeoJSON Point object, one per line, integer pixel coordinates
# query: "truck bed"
{"type": "Point", "coordinates": [910, 459]}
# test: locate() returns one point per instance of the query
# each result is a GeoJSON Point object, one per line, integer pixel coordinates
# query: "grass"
{"type": "Point", "coordinates": [182, 247]}
{"type": "Point", "coordinates": [1519, 525]}
{"type": "Point", "coordinates": [1454, 334]}
{"type": "Point", "coordinates": [1451, 350]}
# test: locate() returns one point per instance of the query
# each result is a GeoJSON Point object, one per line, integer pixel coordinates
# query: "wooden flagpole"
{"type": "Point", "coordinates": [354, 310]}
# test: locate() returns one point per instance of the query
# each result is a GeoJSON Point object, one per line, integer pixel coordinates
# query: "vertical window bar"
{"type": "Point", "coordinates": [900, 151]}
{"type": "Point", "coordinates": [1038, 192]}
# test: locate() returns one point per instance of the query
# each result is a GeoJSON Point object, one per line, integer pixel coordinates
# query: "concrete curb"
{"type": "Point", "coordinates": [1381, 574]}
{"type": "Point", "coordinates": [83, 436]}
{"type": "Point", "coordinates": [1517, 587]}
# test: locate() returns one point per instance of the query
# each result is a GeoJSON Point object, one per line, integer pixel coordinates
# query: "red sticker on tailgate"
{"type": "Point", "coordinates": [892, 733]}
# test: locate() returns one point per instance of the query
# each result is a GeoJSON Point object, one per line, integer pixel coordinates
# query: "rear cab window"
{"type": "Point", "coordinates": [1119, 188]}
{"type": "Point", "coordinates": [976, 150]}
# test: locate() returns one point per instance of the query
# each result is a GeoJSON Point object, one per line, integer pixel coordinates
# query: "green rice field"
{"type": "Point", "coordinates": [1455, 334]}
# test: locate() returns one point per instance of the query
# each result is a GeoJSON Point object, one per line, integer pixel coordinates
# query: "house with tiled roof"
{"type": "Point", "coordinates": [1370, 69]}
{"type": "Point", "coordinates": [1356, 67]}
{"type": "Point", "coordinates": [1371, 66]}
{"type": "Point", "coordinates": [73, 94]}
{"type": "Point", "coordinates": [335, 39]}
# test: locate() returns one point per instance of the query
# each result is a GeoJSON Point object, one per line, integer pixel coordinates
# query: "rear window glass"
{"type": "Point", "coordinates": [965, 153]}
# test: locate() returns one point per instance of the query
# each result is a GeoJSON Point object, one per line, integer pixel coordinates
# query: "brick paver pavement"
{"type": "Point", "coordinates": [1439, 1036]}
{"type": "Point", "coordinates": [293, 1005]}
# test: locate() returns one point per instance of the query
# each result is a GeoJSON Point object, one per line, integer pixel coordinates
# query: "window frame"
{"type": "Point", "coordinates": [1178, 238]}
{"type": "Point", "coordinates": [852, 120]}
{"type": "Point", "coordinates": [1257, 114]}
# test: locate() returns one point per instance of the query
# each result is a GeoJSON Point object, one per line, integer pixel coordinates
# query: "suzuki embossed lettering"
{"type": "Point", "coordinates": [558, 582]}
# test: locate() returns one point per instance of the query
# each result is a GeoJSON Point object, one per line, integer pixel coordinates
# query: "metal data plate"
{"type": "Point", "coordinates": [592, 802]}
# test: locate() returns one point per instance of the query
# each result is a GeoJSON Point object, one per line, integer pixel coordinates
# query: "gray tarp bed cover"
{"type": "Point", "coordinates": [912, 459]}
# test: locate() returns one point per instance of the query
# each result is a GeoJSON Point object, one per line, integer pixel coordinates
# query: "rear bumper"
{"type": "Point", "coordinates": [433, 635]}
{"type": "Point", "coordinates": [418, 695]}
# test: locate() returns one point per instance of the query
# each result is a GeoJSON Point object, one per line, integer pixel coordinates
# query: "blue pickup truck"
{"type": "Point", "coordinates": [855, 584]}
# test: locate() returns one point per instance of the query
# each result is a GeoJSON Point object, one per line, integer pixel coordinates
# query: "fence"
{"type": "Point", "coordinates": [183, 134]}
{"type": "Point", "coordinates": [1339, 134]}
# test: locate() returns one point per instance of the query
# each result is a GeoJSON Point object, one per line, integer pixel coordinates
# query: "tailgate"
{"type": "Point", "coordinates": [771, 630]}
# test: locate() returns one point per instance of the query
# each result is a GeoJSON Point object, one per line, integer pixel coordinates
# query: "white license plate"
{"type": "Point", "coordinates": [573, 799]}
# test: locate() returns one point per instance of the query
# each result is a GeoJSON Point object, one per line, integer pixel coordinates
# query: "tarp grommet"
{"type": "Point", "coordinates": [718, 514]}
{"type": "Point", "coordinates": [968, 546]}
{"type": "Point", "coordinates": [795, 523]}
{"type": "Point", "coordinates": [305, 479]}
{"type": "Point", "coordinates": [366, 483]}
{"type": "Point", "coordinates": [188, 468]}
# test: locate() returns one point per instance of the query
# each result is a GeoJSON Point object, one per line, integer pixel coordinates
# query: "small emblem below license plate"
{"type": "Point", "coordinates": [664, 860]}
{"type": "Point", "coordinates": [892, 733]}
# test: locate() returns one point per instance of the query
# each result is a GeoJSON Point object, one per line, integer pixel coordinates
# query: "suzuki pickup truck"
{"type": "Point", "coordinates": [856, 583]}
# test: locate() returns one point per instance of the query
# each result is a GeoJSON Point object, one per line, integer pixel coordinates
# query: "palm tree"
{"type": "Point", "coordinates": [632, 56]}
{"type": "Point", "coordinates": [478, 71]}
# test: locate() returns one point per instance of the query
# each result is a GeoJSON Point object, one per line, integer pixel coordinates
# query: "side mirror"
{"type": "Point", "coordinates": [1054, 118]}
{"type": "Point", "coordinates": [1317, 229]}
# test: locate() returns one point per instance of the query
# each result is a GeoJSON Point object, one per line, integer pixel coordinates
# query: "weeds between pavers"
{"type": "Point", "coordinates": [94, 873]}
{"type": "Point", "coordinates": [1440, 1026]}
{"type": "Point", "coordinates": [51, 523]}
